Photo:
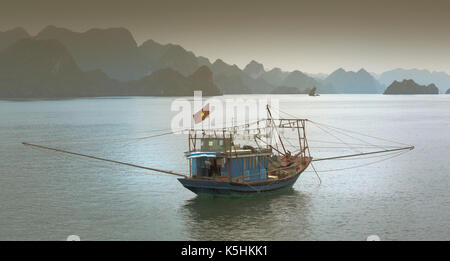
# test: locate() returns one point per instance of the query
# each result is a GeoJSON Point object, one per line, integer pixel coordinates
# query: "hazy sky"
{"type": "Point", "coordinates": [311, 36]}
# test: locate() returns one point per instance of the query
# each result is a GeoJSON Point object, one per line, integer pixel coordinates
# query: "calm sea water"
{"type": "Point", "coordinates": [48, 196]}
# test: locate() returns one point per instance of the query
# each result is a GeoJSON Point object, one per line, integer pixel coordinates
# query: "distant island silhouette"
{"type": "Point", "coordinates": [410, 87]}
{"type": "Point", "coordinates": [33, 68]}
{"type": "Point", "coordinates": [58, 62]}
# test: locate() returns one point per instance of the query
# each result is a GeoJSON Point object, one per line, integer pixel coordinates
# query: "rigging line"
{"type": "Point", "coordinates": [379, 138]}
{"type": "Point", "coordinates": [121, 146]}
{"type": "Point", "coordinates": [317, 174]}
{"type": "Point", "coordinates": [348, 130]}
{"type": "Point", "coordinates": [361, 154]}
{"type": "Point", "coordinates": [231, 127]}
{"type": "Point", "coordinates": [104, 159]}
{"type": "Point", "coordinates": [343, 133]}
{"type": "Point", "coordinates": [105, 141]}
{"type": "Point", "coordinates": [256, 141]}
{"type": "Point", "coordinates": [278, 109]}
{"type": "Point", "coordinates": [362, 165]}
{"type": "Point", "coordinates": [95, 138]}
{"type": "Point", "coordinates": [275, 127]}
{"type": "Point", "coordinates": [400, 152]}
{"type": "Point", "coordinates": [299, 163]}
{"type": "Point", "coordinates": [130, 142]}
{"type": "Point", "coordinates": [95, 163]}
{"type": "Point", "coordinates": [287, 140]}
{"type": "Point", "coordinates": [337, 138]}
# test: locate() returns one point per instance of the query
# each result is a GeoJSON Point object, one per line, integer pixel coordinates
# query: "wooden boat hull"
{"type": "Point", "coordinates": [214, 187]}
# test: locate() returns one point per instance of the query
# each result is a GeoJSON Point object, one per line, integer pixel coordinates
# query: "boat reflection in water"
{"type": "Point", "coordinates": [264, 216]}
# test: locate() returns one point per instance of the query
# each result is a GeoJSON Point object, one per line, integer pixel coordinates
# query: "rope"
{"type": "Point", "coordinates": [345, 130]}
{"type": "Point", "coordinates": [366, 135]}
{"type": "Point", "coordinates": [339, 139]}
{"type": "Point", "coordinates": [317, 174]}
{"type": "Point", "coordinates": [352, 136]}
{"type": "Point", "coordinates": [101, 138]}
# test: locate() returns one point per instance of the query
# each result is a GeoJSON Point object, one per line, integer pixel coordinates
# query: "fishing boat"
{"type": "Point", "coordinates": [219, 165]}
{"type": "Point", "coordinates": [243, 159]}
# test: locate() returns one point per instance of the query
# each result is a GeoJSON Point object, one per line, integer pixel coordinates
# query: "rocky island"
{"type": "Point", "coordinates": [410, 87]}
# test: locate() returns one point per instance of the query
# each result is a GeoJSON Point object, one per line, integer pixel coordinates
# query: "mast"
{"type": "Point", "coordinates": [278, 133]}
{"type": "Point", "coordinates": [269, 145]}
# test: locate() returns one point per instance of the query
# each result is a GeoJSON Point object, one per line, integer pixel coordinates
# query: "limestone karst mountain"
{"type": "Point", "coordinates": [319, 76]}
{"type": "Point", "coordinates": [301, 81]}
{"type": "Point", "coordinates": [424, 77]}
{"type": "Point", "coordinates": [111, 50]}
{"type": "Point", "coordinates": [32, 68]}
{"type": "Point", "coordinates": [168, 82]}
{"type": "Point", "coordinates": [254, 69]}
{"type": "Point", "coordinates": [232, 80]}
{"type": "Point", "coordinates": [410, 87]}
{"type": "Point", "coordinates": [286, 90]}
{"type": "Point", "coordinates": [202, 79]}
{"type": "Point", "coordinates": [353, 82]}
{"type": "Point", "coordinates": [157, 56]}
{"type": "Point", "coordinates": [104, 61]}
{"type": "Point", "coordinates": [10, 36]}
{"type": "Point", "coordinates": [229, 78]}
{"type": "Point", "coordinates": [203, 61]}
{"type": "Point", "coordinates": [274, 77]}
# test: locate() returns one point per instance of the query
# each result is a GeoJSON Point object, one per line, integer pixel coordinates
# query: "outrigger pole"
{"type": "Point", "coordinates": [362, 154]}
{"type": "Point", "coordinates": [103, 159]}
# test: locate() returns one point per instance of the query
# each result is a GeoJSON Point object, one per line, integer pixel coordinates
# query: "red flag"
{"type": "Point", "coordinates": [202, 114]}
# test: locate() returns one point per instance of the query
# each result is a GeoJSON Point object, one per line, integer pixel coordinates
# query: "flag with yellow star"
{"type": "Point", "coordinates": [202, 114]}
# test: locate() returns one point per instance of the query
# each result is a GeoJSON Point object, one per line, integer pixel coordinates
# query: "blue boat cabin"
{"type": "Point", "coordinates": [220, 159]}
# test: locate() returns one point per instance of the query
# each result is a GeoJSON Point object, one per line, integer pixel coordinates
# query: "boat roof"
{"type": "Point", "coordinates": [235, 153]}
